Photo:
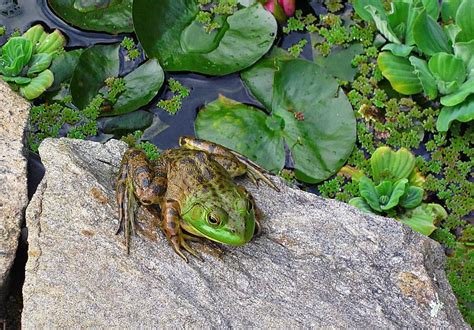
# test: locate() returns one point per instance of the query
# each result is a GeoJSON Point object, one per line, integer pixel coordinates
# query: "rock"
{"type": "Point", "coordinates": [14, 112]}
{"type": "Point", "coordinates": [317, 263]}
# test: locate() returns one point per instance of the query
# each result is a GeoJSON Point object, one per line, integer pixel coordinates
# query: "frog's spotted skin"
{"type": "Point", "coordinates": [194, 189]}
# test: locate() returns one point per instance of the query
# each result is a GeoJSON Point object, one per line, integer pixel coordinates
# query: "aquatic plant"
{"type": "Point", "coordinates": [24, 60]}
{"type": "Point", "coordinates": [447, 63]}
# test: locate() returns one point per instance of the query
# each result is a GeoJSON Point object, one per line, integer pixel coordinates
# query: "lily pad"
{"type": "Point", "coordinates": [339, 62]}
{"type": "Point", "coordinates": [112, 16]}
{"type": "Point", "coordinates": [142, 85]}
{"type": "Point", "coordinates": [163, 28]}
{"type": "Point", "coordinates": [309, 112]}
{"type": "Point", "coordinates": [63, 67]}
{"type": "Point", "coordinates": [127, 123]}
{"type": "Point", "coordinates": [94, 66]}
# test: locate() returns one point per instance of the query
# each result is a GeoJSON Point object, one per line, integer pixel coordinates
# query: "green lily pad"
{"type": "Point", "coordinates": [400, 73]}
{"type": "Point", "coordinates": [142, 85]}
{"type": "Point", "coordinates": [463, 112]}
{"type": "Point", "coordinates": [94, 66]}
{"type": "Point", "coordinates": [244, 129]}
{"type": "Point", "coordinates": [339, 62]}
{"type": "Point", "coordinates": [308, 111]}
{"type": "Point", "coordinates": [166, 29]}
{"type": "Point", "coordinates": [112, 16]}
{"type": "Point", "coordinates": [127, 123]}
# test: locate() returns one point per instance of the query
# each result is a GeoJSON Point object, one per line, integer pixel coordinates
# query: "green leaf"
{"type": "Point", "coordinates": [17, 80]}
{"type": "Point", "coordinates": [142, 85]}
{"type": "Point", "coordinates": [112, 16]}
{"type": "Point", "coordinates": [369, 192]}
{"type": "Point", "coordinates": [361, 204]}
{"type": "Point", "coordinates": [94, 66]}
{"type": "Point", "coordinates": [428, 82]}
{"type": "Point", "coordinates": [412, 197]}
{"type": "Point", "coordinates": [465, 20]}
{"type": "Point", "coordinates": [359, 7]}
{"type": "Point", "coordinates": [399, 72]}
{"type": "Point", "coordinates": [465, 51]}
{"type": "Point", "coordinates": [35, 34]}
{"type": "Point", "coordinates": [51, 44]}
{"type": "Point", "coordinates": [259, 77]}
{"type": "Point", "coordinates": [449, 9]}
{"type": "Point", "coordinates": [422, 218]}
{"type": "Point", "coordinates": [244, 129]}
{"type": "Point", "coordinates": [392, 165]}
{"type": "Point", "coordinates": [432, 8]}
{"type": "Point", "coordinates": [248, 34]}
{"type": "Point", "coordinates": [398, 49]}
{"type": "Point", "coordinates": [463, 112]}
{"type": "Point", "coordinates": [63, 67]}
{"type": "Point", "coordinates": [382, 24]}
{"type": "Point", "coordinates": [338, 62]}
{"type": "Point", "coordinates": [37, 85]}
{"type": "Point", "coordinates": [38, 63]}
{"type": "Point", "coordinates": [460, 94]}
{"type": "Point", "coordinates": [452, 30]}
{"type": "Point", "coordinates": [429, 36]}
{"type": "Point", "coordinates": [397, 19]}
{"type": "Point", "coordinates": [15, 54]}
{"type": "Point", "coordinates": [127, 123]}
{"type": "Point", "coordinates": [319, 120]}
{"type": "Point", "coordinates": [396, 192]}
{"type": "Point", "coordinates": [447, 68]}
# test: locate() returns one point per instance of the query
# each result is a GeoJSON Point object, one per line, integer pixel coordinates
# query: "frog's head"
{"type": "Point", "coordinates": [229, 221]}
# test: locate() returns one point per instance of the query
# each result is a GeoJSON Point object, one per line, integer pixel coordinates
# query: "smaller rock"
{"type": "Point", "coordinates": [14, 112]}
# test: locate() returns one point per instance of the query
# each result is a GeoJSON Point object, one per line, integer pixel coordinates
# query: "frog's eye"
{"type": "Point", "coordinates": [213, 220]}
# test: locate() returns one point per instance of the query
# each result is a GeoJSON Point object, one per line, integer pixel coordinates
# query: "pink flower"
{"type": "Point", "coordinates": [288, 6]}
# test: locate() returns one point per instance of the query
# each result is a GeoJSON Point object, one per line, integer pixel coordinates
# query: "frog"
{"type": "Point", "coordinates": [193, 189]}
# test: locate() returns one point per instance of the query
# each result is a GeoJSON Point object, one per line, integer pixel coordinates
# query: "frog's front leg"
{"type": "Point", "coordinates": [235, 163]}
{"type": "Point", "coordinates": [170, 224]}
{"type": "Point", "coordinates": [137, 181]}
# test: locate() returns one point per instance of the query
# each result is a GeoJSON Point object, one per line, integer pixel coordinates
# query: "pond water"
{"type": "Point", "coordinates": [22, 14]}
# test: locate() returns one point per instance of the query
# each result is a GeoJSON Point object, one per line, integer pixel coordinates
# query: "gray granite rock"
{"type": "Point", "coordinates": [318, 262]}
{"type": "Point", "coordinates": [14, 112]}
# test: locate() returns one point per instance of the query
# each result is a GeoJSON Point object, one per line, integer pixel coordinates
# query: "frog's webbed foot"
{"type": "Point", "coordinates": [235, 163]}
{"type": "Point", "coordinates": [171, 227]}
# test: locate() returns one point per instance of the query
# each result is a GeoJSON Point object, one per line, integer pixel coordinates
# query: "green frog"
{"type": "Point", "coordinates": [194, 189]}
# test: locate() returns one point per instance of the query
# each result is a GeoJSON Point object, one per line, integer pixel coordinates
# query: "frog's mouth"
{"type": "Point", "coordinates": [223, 234]}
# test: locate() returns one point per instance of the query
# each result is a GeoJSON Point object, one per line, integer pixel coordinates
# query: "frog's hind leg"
{"type": "Point", "coordinates": [235, 163]}
{"type": "Point", "coordinates": [171, 227]}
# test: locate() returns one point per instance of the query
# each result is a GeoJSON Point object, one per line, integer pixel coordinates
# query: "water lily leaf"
{"type": "Point", "coordinates": [38, 63]}
{"type": "Point", "coordinates": [399, 71]}
{"type": "Point", "coordinates": [369, 192]}
{"type": "Point", "coordinates": [449, 9]}
{"type": "Point", "coordinates": [429, 35]}
{"type": "Point", "coordinates": [338, 62]}
{"type": "Point", "coordinates": [63, 67]}
{"type": "Point", "coordinates": [382, 24]}
{"type": "Point", "coordinates": [361, 204]}
{"type": "Point", "coordinates": [142, 85]}
{"type": "Point", "coordinates": [359, 7]}
{"type": "Point", "coordinates": [422, 218]}
{"type": "Point", "coordinates": [15, 54]}
{"type": "Point", "coordinates": [396, 192]}
{"type": "Point", "coordinates": [460, 94]}
{"type": "Point", "coordinates": [319, 120]}
{"type": "Point", "coordinates": [259, 77]}
{"type": "Point", "coordinates": [247, 35]}
{"type": "Point", "coordinates": [463, 112]}
{"type": "Point", "coordinates": [447, 68]}
{"type": "Point", "coordinates": [465, 51]}
{"type": "Point", "coordinates": [244, 129]}
{"type": "Point", "coordinates": [94, 66]}
{"type": "Point", "coordinates": [412, 197]}
{"type": "Point", "coordinates": [428, 82]}
{"type": "Point", "coordinates": [37, 85]}
{"type": "Point", "coordinates": [391, 165]}
{"type": "Point", "coordinates": [130, 122]}
{"type": "Point", "coordinates": [112, 16]}
{"type": "Point", "coordinates": [465, 20]}
{"type": "Point", "coordinates": [398, 49]}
